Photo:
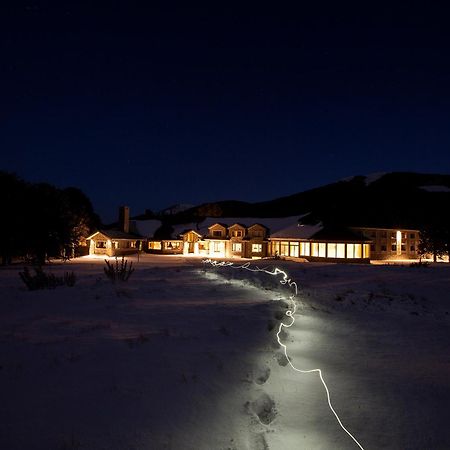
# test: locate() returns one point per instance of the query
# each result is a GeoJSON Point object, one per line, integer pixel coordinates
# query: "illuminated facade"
{"type": "Point", "coordinates": [391, 243]}
{"type": "Point", "coordinates": [224, 241]}
{"type": "Point", "coordinates": [113, 243]}
{"type": "Point", "coordinates": [237, 240]}
{"type": "Point", "coordinates": [315, 243]}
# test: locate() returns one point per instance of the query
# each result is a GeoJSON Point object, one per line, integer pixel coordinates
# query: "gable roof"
{"type": "Point", "coordinates": [115, 234]}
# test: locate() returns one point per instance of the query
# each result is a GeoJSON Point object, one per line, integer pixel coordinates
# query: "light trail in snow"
{"type": "Point", "coordinates": [285, 280]}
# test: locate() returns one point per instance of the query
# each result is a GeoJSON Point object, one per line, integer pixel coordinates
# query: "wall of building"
{"type": "Point", "coordinates": [389, 244]}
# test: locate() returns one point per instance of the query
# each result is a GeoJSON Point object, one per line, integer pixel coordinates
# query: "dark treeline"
{"type": "Point", "coordinates": [38, 220]}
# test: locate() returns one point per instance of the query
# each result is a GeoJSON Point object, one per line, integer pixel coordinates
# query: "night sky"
{"type": "Point", "coordinates": [152, 105]}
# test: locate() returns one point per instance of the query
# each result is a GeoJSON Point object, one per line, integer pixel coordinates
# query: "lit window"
{"type": "Point", "coordinates": [336, 250]}
{"type": "Point", "coordinates": [256, 248]}
{"type": "Point", "coordinates": [331, 251]}
{"type": "Point", "coordinates": [237, 233]}
{"type": "Point", "coordinates": [314, 249]}
{"type": "Point", "coordinates": [304, 248]}
{"type": "Point", "coordinates": [354, 251]}
{"type": "Point", "coordinates": [236, 247]}
{"type": "Point", "coordinates": [275, 248]}
{"type": "Point", "coordinates": [366, 250]}
{"type": "Point", "coordinates": [284, 250]}
{"type": "Point", "coordinates": [218, 247]}
{"type": "Point", "coordinates": [155, 245]}
{"type": "Point", "coordinates": [322, 249]}
{"type": "Point", "coordinates": [293, 249]}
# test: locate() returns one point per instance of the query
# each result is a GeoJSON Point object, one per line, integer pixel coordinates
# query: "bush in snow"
{"type": "Point", "coordinates": [116, 271]}
{"type": "Point", "coordinates": [42, 280]}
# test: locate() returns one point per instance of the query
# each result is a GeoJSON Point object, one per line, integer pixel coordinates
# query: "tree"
{"type": "Point", "coordinates": [40, 220]}
{"type": "Point", "coordinates": [434, 240]}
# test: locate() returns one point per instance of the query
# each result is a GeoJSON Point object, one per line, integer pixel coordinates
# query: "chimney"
{"type": "Point", "coordinates": [124, 219]}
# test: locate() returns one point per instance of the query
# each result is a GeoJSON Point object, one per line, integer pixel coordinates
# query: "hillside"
{"type": "Point", "coordinates": [398, 199]}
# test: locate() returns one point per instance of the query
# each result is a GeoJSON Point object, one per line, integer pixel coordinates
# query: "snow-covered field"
{"type": "Point", "coordinates": [184, 356]}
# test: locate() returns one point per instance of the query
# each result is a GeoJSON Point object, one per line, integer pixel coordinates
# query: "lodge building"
{"type": "Point", "coordinates": [296, 241]}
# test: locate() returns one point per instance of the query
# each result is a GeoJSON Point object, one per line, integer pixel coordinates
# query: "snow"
{"type": "Point", "coordinates": [435, 188]}
{"type": "Point", "coordinates": [147, 227]}
{"type": "Point", "coordinates": [184, 356]}
{"type": "Point", "coordinates": [298, 231]}
{"type": "Point", "coordinates": [371, 178]}
{"type": "Point", "coordinates": [273, 223]}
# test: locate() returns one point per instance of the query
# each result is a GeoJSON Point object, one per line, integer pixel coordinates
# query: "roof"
{"type": "Point", "coordinates": [146, 228]}
{"type": "Point", "coordinates": [338, 234]}
{"type": "Point", "coordinates": [258, 225]}
{"type": "Point", "coordinates": [116, 234]}
{"type": "Point", "coordinates": [297, 231]}
{"type": "Point", "coordinates": [190, 231]}
{"type": "Point", "coordinates": [238, 224]}
{"type": "Point", "coordinates": [223, 225]}
{"type": "Point", "coordinates": [274, 224]}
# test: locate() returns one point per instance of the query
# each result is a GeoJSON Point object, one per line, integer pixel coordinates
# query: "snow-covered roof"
{"type": "Point", "coordinates": [274, 224]}
{"type": "Point", "coordinates": [297, 231]}
{"type": "Point", "coordinates": [146, 228]}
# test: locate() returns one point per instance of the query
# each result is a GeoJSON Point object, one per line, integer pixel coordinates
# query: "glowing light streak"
{"type": "Point", "coordinates": [285, 280]}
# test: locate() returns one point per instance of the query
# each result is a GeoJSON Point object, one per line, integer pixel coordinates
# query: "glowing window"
{"type": "Point", "coordinates": [218, 247]}
{"type": "Point", "coordinates": [322, 249]}
{"type": "Point", "coordinates": [275, 248]}
{"type": "Point", "coordinates": [237, 233]}
{"type": "Point", "coordinates": [154, 245]}
{"type": "Point", "coordinates": [256, 248]}
{"type": "Point", "coordinates": [284, 249]}
{"type": "Point", "coordinates": [366, 250]}
{"type": "Point", "coordinates": [331, 251]}
{"type": "Point", "coordinates": [293, 249]}
{"type": "Point", "coordinates": [351, 251]}
{"type": "Point", "coordinates": [314, 249]}
{"type": "Point", "coordinates": [236, 247]}
{"type": "Point", "coordinates": [336, 250]}
{"type": "Point", "coordinates": [304, 248]}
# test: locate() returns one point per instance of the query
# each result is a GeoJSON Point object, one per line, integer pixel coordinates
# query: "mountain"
{"type": "Point", "coordinates": [398, 199]}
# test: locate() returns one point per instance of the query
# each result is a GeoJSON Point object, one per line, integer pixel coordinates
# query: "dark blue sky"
{"type": "Point", "coordinates": [154, 105]}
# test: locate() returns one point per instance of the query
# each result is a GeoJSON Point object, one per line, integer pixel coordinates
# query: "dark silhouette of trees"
{"type": "Point", "coordinates": [434, 240]}
{"type": "Point", "coordinates": [40, 220]}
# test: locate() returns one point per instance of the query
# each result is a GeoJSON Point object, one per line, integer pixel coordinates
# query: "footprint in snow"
{"type": "Point", "coordinates": [263, 407]}
{"type": "Point", "coordinates": [261, 375]}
